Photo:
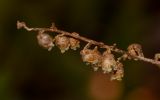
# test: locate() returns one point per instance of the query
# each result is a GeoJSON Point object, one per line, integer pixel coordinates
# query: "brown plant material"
{"type": "Point", "coordinates": [106, 61]}
{"type": "Point", "coordinates": [62, 42]}
{"type": "Point", "coordinates": [135, 50]}
{"type": "Point", "coordinates": [92, 57]}
{"type": "Point", "coordinates": [74, 44]}
{"type": "Point", "coordinates": [118, 72]}
{"type": "Point", "coordinates": [45, 41]}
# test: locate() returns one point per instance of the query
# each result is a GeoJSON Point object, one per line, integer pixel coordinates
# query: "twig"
{"type": "Point", "coordinates": [77, 36]}
{"type": "Point", "coordinates": [134, 50]}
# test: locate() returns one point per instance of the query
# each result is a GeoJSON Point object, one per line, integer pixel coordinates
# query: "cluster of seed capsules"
{"type": "Point", "coordinates": [104, 61]}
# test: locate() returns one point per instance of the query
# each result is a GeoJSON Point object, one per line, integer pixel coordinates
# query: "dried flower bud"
{"type": "Point", "coordinates": [62, 42]}
{"type": "Point", "coordinates": [91, 56]}
{"type": "Point", "coordinates": [118, 72]}
{"type": "Point", "coordinates": [74, 44]}
{"type": "Point", "coordinates": [135, 50]}
{"type": "Point", "coordinates": [45, 41]}
{"type": "Point", "coordinates": [108, 62]}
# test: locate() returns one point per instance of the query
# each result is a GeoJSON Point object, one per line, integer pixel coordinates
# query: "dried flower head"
{"type": "Point", "coordinates": [92, 57]}
{"type": "Point", "coordinates": [62, 42]}
{"type": "Point", "coordinates": [74, 44]}
{"type": "Point", "coordinates": [108, 62]}
{"type": "Point", "coordinates": [45, 41]}
{"type": "Point", "coordinates": [135, 50]}
{"type": "Point", "coordinates": [118, 72]}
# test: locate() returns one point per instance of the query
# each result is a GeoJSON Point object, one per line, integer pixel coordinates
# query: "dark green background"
{"type": "Point", "coordinates": [29, 72]}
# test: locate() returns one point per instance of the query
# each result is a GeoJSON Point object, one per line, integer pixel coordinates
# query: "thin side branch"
{"type": "Point", "coordinates": [125, 54]}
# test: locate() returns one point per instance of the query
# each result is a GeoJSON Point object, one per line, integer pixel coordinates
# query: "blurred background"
{"type": "Point", "coordinates": [29, 72]}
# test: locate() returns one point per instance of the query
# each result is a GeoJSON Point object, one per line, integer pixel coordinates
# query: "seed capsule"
{"type": "Point", "coordinates": [135, 50]}
{"type": "Point", "coordinates": [108, 62]}
{"type": "Point", "coordinates": [45, 41]}
{"type": "Point", "coordinates": [74, 44]}
{"type": "Point", "coordinates": [118, 72]}
{"type": "Point", "coordinates": [62, 42]}
{"type": "Point", "coordinates": [92, 57]}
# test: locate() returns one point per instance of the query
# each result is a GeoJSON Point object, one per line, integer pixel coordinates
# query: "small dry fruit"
{"type": "Point", "coordinates": [45, 41]}
{"type": "Point", "coordinates": [62, 42]}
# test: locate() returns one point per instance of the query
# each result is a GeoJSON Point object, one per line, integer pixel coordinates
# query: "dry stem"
{"type": "Point", "coordinates": [77, 36]}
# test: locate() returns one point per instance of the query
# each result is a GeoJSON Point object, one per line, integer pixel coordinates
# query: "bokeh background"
{"type": "Point", "coordinates": [29, 72]}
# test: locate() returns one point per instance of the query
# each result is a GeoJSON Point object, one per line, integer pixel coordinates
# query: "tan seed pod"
{"type": "Point", "coordinates": [108, 62]}
{"type": "Point", "coordinates": [74, 44]}
{"type": "Point", "coordinates": [45, 41]}
{"type": "Point", "coordinates": [118, 72]}
{"type": "Point", "coordinates": [62, 42]}
{"type": "Point", "coordinates": [92, 57]}
{"type": "Point", "coordinates": [135, 50]}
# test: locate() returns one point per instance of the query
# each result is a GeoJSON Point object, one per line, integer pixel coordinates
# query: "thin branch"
{"type": "Point", "coordinates": [100, 44]}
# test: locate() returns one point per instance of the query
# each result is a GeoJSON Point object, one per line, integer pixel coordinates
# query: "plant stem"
{"type": "Point", "coordinates": [93, 42]}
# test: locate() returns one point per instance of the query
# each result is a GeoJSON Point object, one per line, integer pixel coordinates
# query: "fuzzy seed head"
{"type": "Point", "coordinates": [45, 41]}
{"type": "Point", "coordinates": [118, 72]}
{"type": "Point", "coordinates": [108, 62]}
{"type": "Point", "coordinates": [91, 56]}
{"type": "Point", "coordinates": [135, 50]}
{"type": "Point", "coordinates": [74, 44]}
{"type": "Point", "coordinates": [62, 42]}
